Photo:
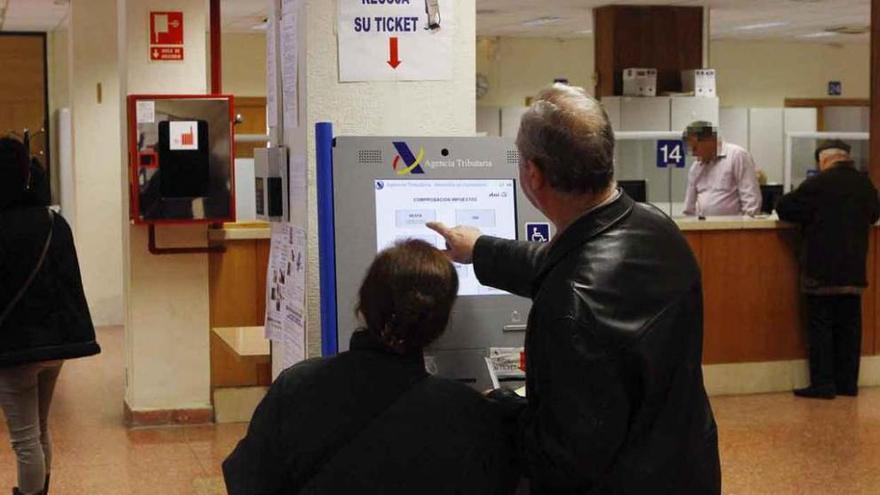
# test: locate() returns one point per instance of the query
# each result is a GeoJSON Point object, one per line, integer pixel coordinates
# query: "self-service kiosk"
{"type": "Point", "coordinates": [374, 191]}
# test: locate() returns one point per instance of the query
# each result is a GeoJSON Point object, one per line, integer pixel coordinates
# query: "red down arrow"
{"type": "Point", "coordinates": [394, 60]}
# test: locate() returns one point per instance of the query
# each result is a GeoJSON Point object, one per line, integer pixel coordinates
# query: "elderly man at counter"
{"type": "Point", "coordinates": [722, 181]}
{"type": "Point", "coordinates": [835, 209]}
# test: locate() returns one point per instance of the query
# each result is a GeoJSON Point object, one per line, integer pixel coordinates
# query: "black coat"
{"type": "Point", "coordinates": [370, 422]}
{"type": "Point", "coordinates": [52, 320]}
{"type": "Point", "coordinates": [616, 403]}
{"type": "Point", "coordinates": [836, 209]}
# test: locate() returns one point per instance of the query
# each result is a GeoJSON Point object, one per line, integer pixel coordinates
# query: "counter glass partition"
{"type": "Point", "coordinates": [800, 161]}
{"type": "Point", "coordinates": [636, 159]}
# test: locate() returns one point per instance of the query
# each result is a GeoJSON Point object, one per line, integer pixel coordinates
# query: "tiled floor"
{"type": "Point", "coordinates": [770, 444]}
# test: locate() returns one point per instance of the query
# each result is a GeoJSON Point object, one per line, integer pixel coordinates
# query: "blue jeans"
{"type": "Point", "coordinates": [25, 396]}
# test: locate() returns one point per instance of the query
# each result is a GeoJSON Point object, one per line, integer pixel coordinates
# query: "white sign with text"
{"type": "Point", "coordinates": [395, 40]}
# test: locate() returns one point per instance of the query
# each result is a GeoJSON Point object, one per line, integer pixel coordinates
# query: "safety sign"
{"type": "Point", "coordinates": [166, 35]}
{"type": "Point", "coordinates": [184, 136]}
{"type": "Point", "coordinates": [538, 232]}
{"type": "Point", "coordinates": [395, 40]}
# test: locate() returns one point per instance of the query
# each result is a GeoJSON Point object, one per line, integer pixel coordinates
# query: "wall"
{"type": "Point", "coordinates": [167, 311]}
{"type": "Point", "coordinates": [763, 74]}
{"type": "Point", "coordinates": [518, 67]}
{"type": "Point", "coordinates": [378, 109]}
{"type": "Point", "coordinates": [59, 69]}
{"type": "Point", "coordinates": [244, 64]}
{"type": "Point", "coordinates": [751, 74]}
{"type": "Point", "coordinates": [97, 170]}
{"type": "Point", "coordinates": [58, 62]}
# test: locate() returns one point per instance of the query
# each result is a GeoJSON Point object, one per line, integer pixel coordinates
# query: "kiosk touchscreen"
{"type": "Point", "coordinates": [387, 189]}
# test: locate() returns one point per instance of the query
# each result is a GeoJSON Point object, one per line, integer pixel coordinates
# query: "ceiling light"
{"type": "Point", "coordinates": [542, 21]}
{"type": "Point", "coordinates": [821, 34]}
{"type": "Point", "coordinates": [586, 31]}
{"type": "Point", "coordinates": [763, 25]}
{"type": "Point", "coordinates": [849, 29]}
{"type": "Point", "coordinates": [263, 26]}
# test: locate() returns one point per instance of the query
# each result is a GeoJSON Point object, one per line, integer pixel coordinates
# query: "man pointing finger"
{"type": "Point", "coordinates": [616, 402]}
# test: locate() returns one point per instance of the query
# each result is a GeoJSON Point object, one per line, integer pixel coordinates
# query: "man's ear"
{"type": "Point", "coordinates": [535, 176]}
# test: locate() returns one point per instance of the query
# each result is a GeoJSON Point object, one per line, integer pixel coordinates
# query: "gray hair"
{"type": "Point", "coordinates": [567, 135]}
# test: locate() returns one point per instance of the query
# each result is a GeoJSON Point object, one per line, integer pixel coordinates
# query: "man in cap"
{"type": "Point", "coordinates": [835, 210]}
{"type": "Point", "coordinates": [722, 181]}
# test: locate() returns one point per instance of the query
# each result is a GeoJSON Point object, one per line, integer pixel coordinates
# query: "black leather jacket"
{"type": "Point", "coordinates": [616, 403]}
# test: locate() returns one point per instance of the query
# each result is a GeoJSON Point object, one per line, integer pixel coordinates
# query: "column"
{"type": "Point", "coordinates": [166, 297]}
{"type": "Point", "coordinates": [432, 108]}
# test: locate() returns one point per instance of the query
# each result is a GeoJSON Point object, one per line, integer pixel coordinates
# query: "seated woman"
{"type": "Point", "coordinates": [371, 420]}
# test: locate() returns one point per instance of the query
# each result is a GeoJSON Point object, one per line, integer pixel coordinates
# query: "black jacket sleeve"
{"type": "Point", "coordinates": [875, 205]}
{"type": "Point", "coordinates": [574, 434]}
{"type": "Point", "coordinates": [799, 205]}
{"type": "Point", "coordinates": [508, 265]}
{"type": "Point", "coordinates": [256, 467]}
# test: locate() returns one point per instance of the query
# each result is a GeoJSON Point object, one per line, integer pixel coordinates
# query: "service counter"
{"type": "Point", "coordinates": [753, 322]}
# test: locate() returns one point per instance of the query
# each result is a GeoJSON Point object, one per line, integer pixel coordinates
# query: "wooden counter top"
{"type": "Point", "coordinates": [731, 223]}
{"type": "Point", "coordinates": [241, 231]}
{"type": "Point", "coordinates": [262, 230]}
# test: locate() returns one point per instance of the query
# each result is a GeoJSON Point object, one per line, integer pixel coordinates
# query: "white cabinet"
{"type": "Point", "coordinates": [800, 120]}
{"type": "Point", "coordinates": [661, 113]}
{"type": "Point", "coordinates": [489, 121]}
{"type": "Point", "coordinates": [612, 109]}
{"type": "Point", "coordinates": [733, 126]}
{"type": "Point", "coordinates": [846, 119]}
{"type": "Point", "coordinates": [644, 114]}
{"type": "Point", "coordinates": [766, 140]}
{"type": "Point", "coordinates": [510, 117]}
{"type": "Point", "coordinates": [685, 110]}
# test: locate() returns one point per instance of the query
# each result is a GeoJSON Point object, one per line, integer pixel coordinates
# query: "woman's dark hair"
{"type": "Point", "coordinates": [14, 171]}
{"type": "Point", "coordinates": [407, 295]}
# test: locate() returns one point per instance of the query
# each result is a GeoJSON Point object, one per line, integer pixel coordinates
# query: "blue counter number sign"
{"type": "Point", "coordinates": [670, 153]}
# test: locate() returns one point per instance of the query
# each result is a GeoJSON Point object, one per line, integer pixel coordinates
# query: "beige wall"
{"type": "Point", "coordinates": [97, 171]}
{"type": "Point", "coordinates": [244, 64]}
{"type": "Point", "coordinates": [518, 67]}
{"type": "Point", "coordinates": [750, 74]}
{"type": "Point", "coordinates": [763, 74]}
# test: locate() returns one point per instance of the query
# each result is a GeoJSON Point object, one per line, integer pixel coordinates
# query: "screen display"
{"type": "Point", "coordinates": [403, 207]}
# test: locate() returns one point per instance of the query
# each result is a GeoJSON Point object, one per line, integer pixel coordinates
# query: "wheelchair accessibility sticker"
{"type": "Point", "coordinates": [538, 232]}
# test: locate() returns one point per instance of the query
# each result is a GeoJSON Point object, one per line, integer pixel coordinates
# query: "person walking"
{"type": "Point", "coordinates": [44, 318]}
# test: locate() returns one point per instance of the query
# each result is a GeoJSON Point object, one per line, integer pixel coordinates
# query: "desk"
{"type": "Point", "coordinates": [752, 302]}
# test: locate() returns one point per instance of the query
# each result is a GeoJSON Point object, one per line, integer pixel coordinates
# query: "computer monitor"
{"type": "Point", "coordinates": [770, 195]}
{"type": "Point", "coordinates": [636, 189]}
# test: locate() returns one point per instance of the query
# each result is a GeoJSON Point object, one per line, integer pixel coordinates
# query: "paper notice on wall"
{"type": "Point", "coordinates": [285, 291]}
{"type": "Point", "coordinates": [299, 190]}
{"type": "Point", "coordinates": [290, 61]}
{"type": "Point", "coordinates": [271, 72]}
{"type": "Point", "coordinates": [396, 41]}
{"type": "Point", "coordinates": [146, 112]}
{"type": "Point", "coordinates": [184, 136]}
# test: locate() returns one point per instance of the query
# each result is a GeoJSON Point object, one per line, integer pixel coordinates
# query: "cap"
{"type": "Point", "coordinates": [832, 144]}
{"type": "Point", "coordinates": [700, 129]}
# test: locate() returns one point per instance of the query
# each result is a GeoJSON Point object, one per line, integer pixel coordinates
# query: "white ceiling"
{"type": "Point", "coordinates": [32, 15]}
{"type": "Point", "coordinates": [795, 20]}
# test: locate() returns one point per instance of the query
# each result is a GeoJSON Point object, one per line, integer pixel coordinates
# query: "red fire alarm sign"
{"type": "Point", "coordinates": [166, 28]}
